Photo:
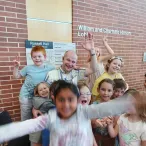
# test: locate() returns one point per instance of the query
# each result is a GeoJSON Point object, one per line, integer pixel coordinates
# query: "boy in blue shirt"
{"type": "Point", "coordinates": [33, 74]}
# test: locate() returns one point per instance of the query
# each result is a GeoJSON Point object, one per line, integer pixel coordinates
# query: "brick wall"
{"type": "Point", "coordinates": [119, 15]}
{"type": "Point", "coordinates": [13, 33]}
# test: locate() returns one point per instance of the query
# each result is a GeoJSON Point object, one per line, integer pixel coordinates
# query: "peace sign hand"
{"type": "Point", "coordinates": [16, 61]}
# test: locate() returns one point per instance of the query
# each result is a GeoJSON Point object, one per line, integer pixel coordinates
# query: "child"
{"type": "Point", "coordinates": [105, 89]}
{"type": "Point", "coordinates": [85, 94]}
{"type": "Point", "coordinates": [131, 126]}
{"type": "Point", "coordinates": [85, 98]}
{"type": "Point", "coordinates": [120, 87]}
{"type": "Point", "coordinates": [112, 72]}
{"type": "Point", "coordinates": [69, 122]}
{"type": "Point", "coordinates": [100, 60]}
{"type": "Point", "coordinates": [33, 74]}
{"type": "Point", "coordinates": [41, 102]}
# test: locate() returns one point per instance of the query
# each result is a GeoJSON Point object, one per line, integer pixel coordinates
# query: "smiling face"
{"type": "Point", "coordinates": [69, 61]}
{"type": "Point", "coordinates": [118, 92]}
{"type": "Point", "coordinates": [43, 90]}
{"type": "Point", "coordinates": [66, 103]}
{"type": "Point", "coordinates": [114, 66]}
{"type": "Point", "coordinates": [38, 58]}
{"type": "Point", "coordinates": [105, 91]}
{"type": "Point", "coordinates": [85, 96]}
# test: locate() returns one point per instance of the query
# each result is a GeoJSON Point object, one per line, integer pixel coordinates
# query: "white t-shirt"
{"type": "Point", "coordinates": [75, 131]}
{"type": "Point", "coordinates": [131, 134]}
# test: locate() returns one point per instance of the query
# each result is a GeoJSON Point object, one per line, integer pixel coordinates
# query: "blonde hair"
{"type": "Point", "coordinates": [36, 88]}
{"type": "Point", "coordinates": [81, 84]}
{"type": "Point", "coordinates": [140, 104]}
{"type": "Point", "coordinates": [111, 60]}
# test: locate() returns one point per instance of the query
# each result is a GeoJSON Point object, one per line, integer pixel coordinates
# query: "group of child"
{"type": "Point", "coordinates": [110, 115]}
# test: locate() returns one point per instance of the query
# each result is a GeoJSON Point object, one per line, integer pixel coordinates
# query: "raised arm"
{"type": "Point", "coordinates": [112, 108]}
{"type": "Point", "coordinates": [89, 46]}
{"type": "Point", "coordinates": [109, 49]}
{"type": "Point", "coordinates": [16, 73]}
{"type": "Point", "coordinates": [18, 129]}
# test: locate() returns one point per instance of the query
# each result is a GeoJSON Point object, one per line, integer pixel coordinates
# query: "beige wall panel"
{"type": "Point", "coordinates": [59, 10]}
{"type": "Point", "coordinates": [44, 31]}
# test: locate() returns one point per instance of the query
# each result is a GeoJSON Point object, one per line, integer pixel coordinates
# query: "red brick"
{"type": "Point", "coordinates": [16, 111]}
{"type": "Point", "coordinates": [5, 95]}
{"type": "Point", "coordinates": [15, 102]}
{"type": "Point", "coordinates": [15, 94]}
{"type": "Point", "coordinates": [17, 50]}
{"type": "Point", "coordinates": [2, 49]}
{"type": "Point", "coordinates": [22, 6]}
{"type": "Point", "coordinates": [17, 86]}
{"type": "Point", "coordinates": [6, 34]}
{"type": "Point", "coordinates": [23, 16]}
{"type": "Point", "coordinates": [6, 63]}
{"type": "Point", "coordinates": [10, 9]}
{"type": "Point", "coordinates": [8, 54]}
{"type": "Point", "coordinates": [3, 40]}
{"type": "Point", "coordinates": [15, 20]}
{"type": "Point", "coordinates": [7, 14]}
{"type": "Point", "coordinates": [5, 78]}
{"type": "Point", "coordinates": [10, 73]}
{"type": "Point", "coordinates": [10, 82]}
{"type": "Point", "coordinates": [16, 30]}
{"type": "Point", "coordinates": [5, 87]}
{"type": "Point", "coordinates": [16, 40]}
{"type": "Point", "coordinates": [22, 26]}
{"type": "Point", "coordinates": [9, 44]}
{"type": "Point", "coordinates": [1, 8]}
{"type": "Point", "coordinates": [2, 18]}
{"type": "Point", "coordinates": [5, 3]}
{"type": "Point", "coordinates": [23, 35]}
{"type": "Point", "coordinates": [22, 44]}
{"type": "Point", "coordinates": [2, 29]}
{"type": "Point", "coordinates": [4, 59]}
{"type": "Point", "coordinates": [6, 24]}
{"type": "Point", "coordinates": [18, 1]}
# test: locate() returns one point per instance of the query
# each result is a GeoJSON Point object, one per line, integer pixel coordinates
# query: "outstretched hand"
{"type": "Point", "coordinates": [105, 40]}
{"type": "Point", "coordinates": [16, 61]}
{"type": "Point", "coordinates": [88, 43]}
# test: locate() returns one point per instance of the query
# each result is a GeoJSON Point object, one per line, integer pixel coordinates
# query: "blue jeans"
{"type": "Point", "coordinates": [45, 137]}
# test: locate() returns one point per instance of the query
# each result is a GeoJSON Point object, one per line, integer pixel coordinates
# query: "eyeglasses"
{"type": "Point", "coordinates": [85, 94]}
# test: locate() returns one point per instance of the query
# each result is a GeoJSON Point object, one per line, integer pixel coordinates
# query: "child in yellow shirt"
{"type": "Point", "coordinates": [112, 72]}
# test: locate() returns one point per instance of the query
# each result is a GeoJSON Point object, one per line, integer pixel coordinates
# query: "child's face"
{"type": "Point", "coordinates": [43, 90]}
{"type": "Point", "coordinates": [85, 96]}
{"type": "Point", "coordinates": [115, 66]}
{"type": "Point", "coordinates": [118, 92]}
{"type": "Point", "coordinates": [105, 91]}
{"type": "Point", "coordinates": [38, 58]}
{"type": "Point", "coordinates": [66, 103]}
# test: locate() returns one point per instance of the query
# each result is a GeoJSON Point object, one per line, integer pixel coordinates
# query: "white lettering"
{"type": "Point", "coordinates": [101, 30]}
{"type": "Point", "coordinates": [82, 34]}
